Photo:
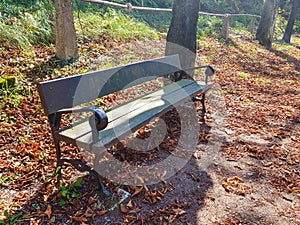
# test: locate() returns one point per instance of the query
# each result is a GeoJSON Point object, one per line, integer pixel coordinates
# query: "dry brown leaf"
{"type": "Point", "coordinates": [146, 189]}
{"type": "Point", "coordinates": [145, 201]}
{"type": "Point", "coordinates": [236, 185]}
{"type": "Point", "coordinates": [172, 218]}
{"type": "Point", "coordinates": [136, 210]}
{"type": "Point", "coordinates": [197, 155]}
{"type": "Point", "coordinates": [101, 212]}
{"type": "Point", "coordinates": [129, 204]}
{"type": "Point", "coordinates": [137, 191]}
{"type": "Point", "coordinates": [267, 164]}
{"type": "Point", "coordinates": [193, 176]}
{"type": "Point", "coordinates": [179, 211]}
{"type": "Point", "coordinates": [128, 219]}
{"type": "Point", "coordinates": [78, 219]}
{"type": "Point", "coordinates": [48, 211]}
{"type": "Point", "coordinates": [89, 212]}
{"type": "Point", "coordinates": [123, 208]}
{"type": "Point", "coordinates": [92, 200]}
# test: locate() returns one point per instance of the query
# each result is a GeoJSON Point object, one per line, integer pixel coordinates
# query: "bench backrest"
{"type": "Point", "coordinates": [75, 90]}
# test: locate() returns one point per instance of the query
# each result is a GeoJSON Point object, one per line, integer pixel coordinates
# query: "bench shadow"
{"type": "Point", "coordinates": [175, 200]}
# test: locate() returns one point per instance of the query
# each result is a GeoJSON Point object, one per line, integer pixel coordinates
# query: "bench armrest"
{"type": "Point", "coordinates": [210, 71]}
{"type": "Point", "coordinates": [98, 120]}
{"type": "Point", "coordinates": [99, 117]}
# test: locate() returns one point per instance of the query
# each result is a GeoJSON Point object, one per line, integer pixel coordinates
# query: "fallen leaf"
{"type": "Point", "coordinates": [197, 155]}
{"type": "Point", "coordinates": [137, 191]}
{"type": "Point", "coordinates": [267, 164]}
{"type": "Point", "coordinates": [101, 212]}
{"type": "Point", "coordinates": [78, 219]}
{"type": "Point", "coordinates": [48, 211]}
{"type": "Point", "coordinates": [179, 211]}
{"type": "Point", "coordinates": [89, 212]}
{"type": "Point", "coordinates": [128, 219]}
{"type": "Point", "coordinates": [236, 185]}
{"type": "Point", "coordinates": [172, 218]}
{"type": "Point", "coordinates": [129, 204]}
{"type": "Point", "coordinates": [146, 189]}
{"type": "Point", "coordinates": [193, 176]}
{"type": "Point", "coordinates": [123, 208]}
{"type": "Point", "coordinates": [92, 200]}
{"type": "Point", "coordinates": [136, 210]}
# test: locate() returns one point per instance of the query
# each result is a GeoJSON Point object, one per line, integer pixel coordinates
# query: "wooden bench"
{"type": "Point", "coordinates": [64, 95]}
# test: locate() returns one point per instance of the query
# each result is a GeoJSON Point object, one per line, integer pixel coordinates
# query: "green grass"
{"type": "Point", "coordinates": [12, 219]}
{"type": "Point", "coordinates": [27, 28]}
{"type": "Point", "coordinates": [208, 25]}
{"type": "Point", "coordinates": [24, 32]}
{"type": "Point", "coordinates": [112, 25]}
{"type": "Point", "coordinates": [37, 27]}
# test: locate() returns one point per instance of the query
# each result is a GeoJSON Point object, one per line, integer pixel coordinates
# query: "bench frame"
{"type": "Point", "coordinates": [59, 96]}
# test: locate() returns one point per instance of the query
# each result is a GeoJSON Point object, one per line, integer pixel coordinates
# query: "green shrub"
{"type": "Point", "coordinates": [281, 23]}
{"type": "Point", "coordinates": [158, 20]}
{"type": "Point", "coordinates": [297, 27]}
{"type": "Point", "coordinates": [208, 25]}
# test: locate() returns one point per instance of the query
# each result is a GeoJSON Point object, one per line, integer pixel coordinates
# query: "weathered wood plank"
{"type": "Point", "coordinates": [71, 91]}
{"type": "Point", "coordinates": [133, 115]}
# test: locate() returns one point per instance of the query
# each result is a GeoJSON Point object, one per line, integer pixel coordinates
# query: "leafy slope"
{"type": "Point", "coordinates": [262, 140]}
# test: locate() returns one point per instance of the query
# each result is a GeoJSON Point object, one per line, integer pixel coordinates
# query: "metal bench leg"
{"type": "Point", "coordinates": [97, 176]}
{"type": "Point", "coordinates": [100, 184]}
{"type": "Point", "coordinates": [59, 163]}
{"type": "Point", "coordinates": [83, 167]}
{"type": "Point", "coordinates": [202, 100]}
{"type": "Point", "coordinates": [77, 164]}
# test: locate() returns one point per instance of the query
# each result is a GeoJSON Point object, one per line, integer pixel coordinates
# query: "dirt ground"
{"type": "Point", "coordinates": [244, 170]}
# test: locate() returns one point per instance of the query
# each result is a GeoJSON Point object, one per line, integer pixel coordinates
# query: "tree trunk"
{"type": "Point", "coordinates": [65, 40]}
{"type": "Point", "coordinates": [289, 27]}
{"type": "Point", "coordinates": [266, 25]}
{"type": "Point", "coordinates": [181, 37]}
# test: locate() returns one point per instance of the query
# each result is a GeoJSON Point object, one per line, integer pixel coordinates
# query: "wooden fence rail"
{"type": "Point", "coordinates": [225, 26]}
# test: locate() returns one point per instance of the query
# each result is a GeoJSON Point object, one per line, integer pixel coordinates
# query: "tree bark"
{"type": "Point", "coordinates": [266, 25]}
{"type": "Point", "coordinates": [65, 40]}
{"type": "Point", "coordinates": [181, 37]}
{"type": "Point", "coordinates": [289, 27]}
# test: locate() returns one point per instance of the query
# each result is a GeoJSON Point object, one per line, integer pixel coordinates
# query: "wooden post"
{"type": "Point", "coordinates": [225, 27]}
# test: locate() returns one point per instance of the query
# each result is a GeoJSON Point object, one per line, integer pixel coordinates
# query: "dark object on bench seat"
{"type": "Point", "coordinates": [62, 96]}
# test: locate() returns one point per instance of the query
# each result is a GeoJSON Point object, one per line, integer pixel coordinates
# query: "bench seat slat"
{"type": "Point", "coordinates": [134, 114]}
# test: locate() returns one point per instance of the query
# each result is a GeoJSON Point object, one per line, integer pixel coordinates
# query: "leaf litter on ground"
{"type": "Point", "coordinates": [262, 96]}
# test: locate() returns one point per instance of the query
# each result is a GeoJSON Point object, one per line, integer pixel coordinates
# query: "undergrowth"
{"type": "Point", "coordinates": [208, 25]}
{"type": "Point", "coordinates": [22, 27]}
{"type": "Point", "coordinates": [35, 26]}
{"type": "Point", "coordinates": [112, 24]}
